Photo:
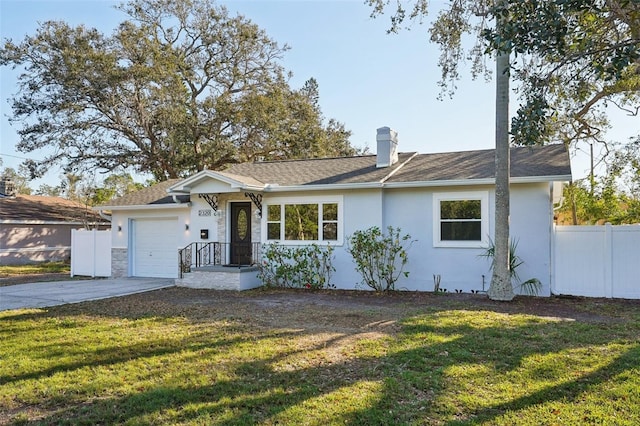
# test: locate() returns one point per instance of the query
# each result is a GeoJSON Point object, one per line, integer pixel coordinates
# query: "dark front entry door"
{"type": "Point", "coordinates": [240, 250]}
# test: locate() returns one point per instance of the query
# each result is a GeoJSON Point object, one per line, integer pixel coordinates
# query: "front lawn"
{"type": "Point", "coordinates": [38, 272]}
{"type": "Point", "coordinates": [34, 269]}
{"type": "Point", "coordinates": [182, 356]}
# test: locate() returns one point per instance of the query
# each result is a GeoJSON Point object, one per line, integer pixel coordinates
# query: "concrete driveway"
{"type": "Point", "coordinates": [40, 295]}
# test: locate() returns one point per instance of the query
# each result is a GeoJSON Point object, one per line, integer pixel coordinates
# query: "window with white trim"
{"type": "Point", "coordinates": [304, 220]}
{"type": "Point", "coordinates": [461, 219]}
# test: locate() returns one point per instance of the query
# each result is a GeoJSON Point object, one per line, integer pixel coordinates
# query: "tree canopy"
{"type": "Point", "coordinates": [19, 178]}
{"type": "Point", "coordinates": [571, 58]}
{"type": "Point", "coordinates": [178, 87]}
{"type": "Point", "coordinates": [116, 185]}
{"type": "Point", "coordinates": [577, 57]}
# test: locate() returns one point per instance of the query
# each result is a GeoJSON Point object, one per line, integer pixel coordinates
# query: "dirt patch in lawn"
{"type": "Point", "coordinates": [346, 311]}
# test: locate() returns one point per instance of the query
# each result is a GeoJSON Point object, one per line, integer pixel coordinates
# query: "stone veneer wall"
{"type": "Point", "coordinates": [255, 224]}
{"type": "Point", "coordinates": [119, 263]}
{"type": "Point", "coordinates": [238, 280]}
{"type": "Point", "coordinates": [222, 217]}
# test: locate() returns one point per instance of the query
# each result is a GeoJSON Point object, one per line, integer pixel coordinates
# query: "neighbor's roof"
{"type": "Point", "coordinates": [39, 208]}
{"type": "Point", "coordinates": [539, 163]}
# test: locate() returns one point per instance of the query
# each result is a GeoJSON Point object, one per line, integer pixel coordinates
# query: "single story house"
{"type": "Point", "coordinates": [37, 229]}
{"type": "Point", "coordinates": [230, 214]}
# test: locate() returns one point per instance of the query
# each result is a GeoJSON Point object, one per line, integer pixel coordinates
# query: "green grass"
{"type": "Point", "coordinates": [452, 365]}
{"type": "Point", "coordinates": [39, 268]}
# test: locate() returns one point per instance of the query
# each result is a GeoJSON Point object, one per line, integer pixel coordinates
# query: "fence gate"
{"type": "Point", "coordinates": [597, 261]}
{"type": "Point", "coordinates": [91, 253]}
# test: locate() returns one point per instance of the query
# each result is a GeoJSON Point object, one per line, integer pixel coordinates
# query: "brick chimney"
{"type": "Point", "coordinates": [7, 187]}
{"type": "Point", "coordinates": [387, 149]}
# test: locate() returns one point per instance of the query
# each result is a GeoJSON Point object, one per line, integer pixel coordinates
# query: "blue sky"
{"type": "Point", "coordinates": [367, 78]}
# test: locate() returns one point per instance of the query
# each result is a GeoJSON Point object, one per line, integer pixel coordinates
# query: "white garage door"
{"type": "Point", "coordinates": [155, 248]}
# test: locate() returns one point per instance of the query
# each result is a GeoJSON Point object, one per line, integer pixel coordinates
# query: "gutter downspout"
{"type": "Point", "coordinates": [104, 216]}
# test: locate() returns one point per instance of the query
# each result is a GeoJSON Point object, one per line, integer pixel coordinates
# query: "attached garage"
{"type": "Point", "coordinates": [155, 247]}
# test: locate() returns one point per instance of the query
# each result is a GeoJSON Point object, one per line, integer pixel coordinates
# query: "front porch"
{"type": "Point", "coordinates": [219, 266]}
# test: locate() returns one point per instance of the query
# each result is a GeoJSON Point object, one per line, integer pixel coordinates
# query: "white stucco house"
{"type": "Point", "coordinates": [223, 218]}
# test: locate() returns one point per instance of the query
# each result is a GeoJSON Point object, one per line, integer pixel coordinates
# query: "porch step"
{"type": "Point", "coordinates": [219, 277]}
{"type": "Point", "coordinates": [235, 269]}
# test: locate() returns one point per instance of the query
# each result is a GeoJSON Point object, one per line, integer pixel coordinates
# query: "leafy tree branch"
{"type": "Point", "coordinates": [177, 88]}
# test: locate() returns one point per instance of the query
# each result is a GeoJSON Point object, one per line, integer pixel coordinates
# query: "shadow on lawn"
{"type": "Point", "coordinates": [123, 353]}
{"type": "Point", "coordinates": [570, 391]}
{"type": "Point", "coordinates": [413, 375]}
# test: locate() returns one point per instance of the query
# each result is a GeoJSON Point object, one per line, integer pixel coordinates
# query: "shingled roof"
{"type": "Point", "coordinates": [543, 163]}
{"type": "Point", "coordinates": [321, 171]}
{"type": "Point", "coordinates": [45, 209]}
{"type": "Point", "coordinates": [526, 162]}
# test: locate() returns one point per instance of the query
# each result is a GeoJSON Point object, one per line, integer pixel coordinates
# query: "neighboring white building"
{"type": "Point", "coordinates": [420, 193]}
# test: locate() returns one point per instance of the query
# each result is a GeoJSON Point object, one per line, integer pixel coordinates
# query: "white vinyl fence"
{"type": "Point", "coordinates": [91, 253]}
{"type": "Point", "coordinates": [597, 261]}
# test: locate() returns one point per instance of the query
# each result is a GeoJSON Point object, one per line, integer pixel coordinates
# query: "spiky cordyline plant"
{"type": "Point", "coordinates": [531, 286]}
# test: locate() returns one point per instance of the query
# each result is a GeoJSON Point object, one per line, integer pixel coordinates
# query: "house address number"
{"type": "Point", "coordinates": [204, 212]}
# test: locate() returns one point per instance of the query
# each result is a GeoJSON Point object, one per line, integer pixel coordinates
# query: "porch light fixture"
{"type": "Point", "coordinates": [186, 226]}
{"type": "Point", "coordinates": [119, 228]}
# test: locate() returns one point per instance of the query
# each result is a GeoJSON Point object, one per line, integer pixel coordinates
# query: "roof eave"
{"type": "Point", "coordinates": [468, 182]}
{"type": "Point", "coordinates": [352, 186]}
{"type": "Point", "coordinates": [144, 207]}
{"type": "Point", "coordinates": [233, 187]}
{"type": "Point", "coordinates": [252, 188]}
{"type": "Point", "coordinates": [185, 186]}
{"type": "Point", "coordinates": [439, 183]}
{"type": "Point", "coordinates": [541, 179]}
{"type": "Point", "coordinates": [416, 184]}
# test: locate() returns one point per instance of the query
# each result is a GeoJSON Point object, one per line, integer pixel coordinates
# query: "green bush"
{"type": "Point", "coordinates": [297, 266]}
{"type": "Point", "coordinates": [380, 258]}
